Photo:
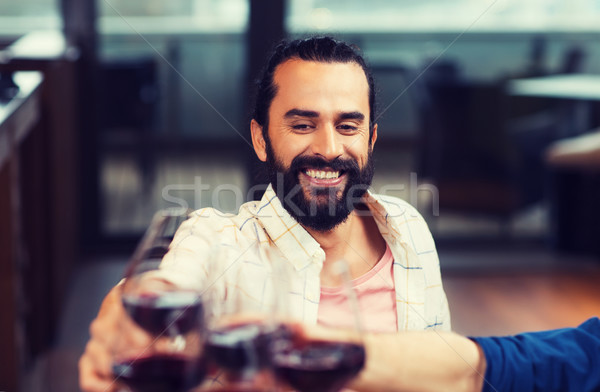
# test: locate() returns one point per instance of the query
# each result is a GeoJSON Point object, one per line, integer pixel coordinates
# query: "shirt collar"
{"type": "Point", "coordinates": [291, 238]}
{"type": "Point", "coordinates": [298, 245]}
{"type": "Point", "coordinates": [386, 211]}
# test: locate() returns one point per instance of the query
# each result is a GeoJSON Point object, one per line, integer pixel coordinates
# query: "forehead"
{"type": "Point", "coordinates": [310, 84]}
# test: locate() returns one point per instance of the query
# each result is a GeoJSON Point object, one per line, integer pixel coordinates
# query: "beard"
{"type": "Point", "coordinates": [325, 207]}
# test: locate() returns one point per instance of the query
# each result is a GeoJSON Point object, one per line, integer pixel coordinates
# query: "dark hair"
{"type": "Point", "coordinates": [320, 49]}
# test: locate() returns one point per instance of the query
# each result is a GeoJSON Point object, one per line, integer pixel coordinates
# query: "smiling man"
{"type": "Point", "coordinates": [314, 127]}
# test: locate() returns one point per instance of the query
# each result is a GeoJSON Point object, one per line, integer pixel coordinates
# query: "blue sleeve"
{"type": "Point", "coordinates": [559, 360]}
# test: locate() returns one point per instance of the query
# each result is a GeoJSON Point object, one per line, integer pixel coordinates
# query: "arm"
{"type": "Point", "coordinates": [565, 359]}
{"type": "Point", "coordinates": [410, 361]}
{"type": "Point", "coordinates": [421, 361]}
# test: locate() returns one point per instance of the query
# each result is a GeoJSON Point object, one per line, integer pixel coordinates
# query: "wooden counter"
{"type": "Point", "coordinates": [40, 168]}
{"type": "Point", "coordinates": [18, 120]}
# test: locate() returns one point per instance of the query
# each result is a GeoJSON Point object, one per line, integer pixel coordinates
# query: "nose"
{"type": "Point", "coordinates": [326, 143]}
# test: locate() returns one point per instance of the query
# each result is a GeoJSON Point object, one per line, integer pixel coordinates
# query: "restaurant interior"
{"type": "Point", "coordinates": [110, 110]}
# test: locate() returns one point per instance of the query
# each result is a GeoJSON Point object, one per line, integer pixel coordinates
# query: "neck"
{"type": "Point", "coordinates": [357, 240]}
{"type": "Point", "coordinates": [337, 239]}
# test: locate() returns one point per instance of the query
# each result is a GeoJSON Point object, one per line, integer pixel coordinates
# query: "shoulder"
{"type": "Point", "coordinates": [405, 222]}
{"type": "Point", "coordinates": [211, 223]}
{"type": "Point", "coordinates": [397, 209]}
{"type": "Point", "coordinates": [591, 325]}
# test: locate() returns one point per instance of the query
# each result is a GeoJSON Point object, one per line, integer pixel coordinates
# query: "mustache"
{"type": "Point", "coordinates": [337, 164]}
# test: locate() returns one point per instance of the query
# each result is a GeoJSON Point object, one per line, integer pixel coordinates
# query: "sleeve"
{"type": "Point", "coordinates": [186, 263]}
{"type": "Point", "coordinates": [444, 312]}
{"type": "Point", "coordinates": [559, 360]}
{"type": "Point", "coordinates": [435, 294]}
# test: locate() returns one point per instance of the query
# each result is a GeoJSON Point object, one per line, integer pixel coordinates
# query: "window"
{"type": "Point", "coordinates": [20, 17]}
{"type": "Point", "coordinates": [174, 16]}
{"type": "Point", "coordinates": [442, 15]}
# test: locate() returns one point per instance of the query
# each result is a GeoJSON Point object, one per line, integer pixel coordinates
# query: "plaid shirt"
{"type": "Point", "coordinates": [241, 240]}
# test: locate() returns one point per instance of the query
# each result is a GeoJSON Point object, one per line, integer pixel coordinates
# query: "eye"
{"type": "Point", "coordinates": [347, 128]}
{"type": "Point", "coordinates": [302, 127]}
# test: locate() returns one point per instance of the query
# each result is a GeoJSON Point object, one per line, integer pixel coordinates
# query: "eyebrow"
{"type": "Point", "coordinates": [351, 116]}
{"type": "Point", "coordinates": [312, 114]}
{"type": "Point", "coordinates": [301, 113]}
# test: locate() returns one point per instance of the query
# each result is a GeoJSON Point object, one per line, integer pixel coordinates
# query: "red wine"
{"type": "Point", "coordinates": [168, 313]}
{"type": "Point", "coordinates": [240, 347]}
{"type": "Point", "coordinates": [318, 366]}
{"type": "Point", "coordinates": [160, 373]}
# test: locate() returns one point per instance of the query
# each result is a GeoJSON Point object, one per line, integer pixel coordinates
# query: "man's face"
{"type": "Point", "coordinates": [319, 152]}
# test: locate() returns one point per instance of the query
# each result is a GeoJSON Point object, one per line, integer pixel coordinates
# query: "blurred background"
{"type": "Point", "coordinates": [113, 109]}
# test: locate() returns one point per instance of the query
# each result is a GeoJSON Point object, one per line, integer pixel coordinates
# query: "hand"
{"type": "Point", "coordinates": [95, 365]}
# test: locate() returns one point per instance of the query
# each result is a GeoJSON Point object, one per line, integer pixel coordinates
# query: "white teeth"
{"type": "Point", "coordinates": [321, 174]}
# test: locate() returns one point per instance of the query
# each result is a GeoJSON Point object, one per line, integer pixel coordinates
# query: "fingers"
{"type": "Point", "coordinates": [94, 378]}
{"type": "Point", "coordinates": [99, 358]}
{"type": "Point", "coordinates": [95, 369]}
{"type": "Point", "coordinates": [95, 372]}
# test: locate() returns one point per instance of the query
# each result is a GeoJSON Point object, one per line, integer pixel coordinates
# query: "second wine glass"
{"type": "Point", "coordinates": [245, 321]}
{"type": "Point", "coordinates": [322, 364]}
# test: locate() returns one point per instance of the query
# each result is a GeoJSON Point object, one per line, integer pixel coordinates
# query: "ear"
{"type": "Point", "coordinates": [374, 136]}
{"type": "Point", "coordinates": [258, 141]}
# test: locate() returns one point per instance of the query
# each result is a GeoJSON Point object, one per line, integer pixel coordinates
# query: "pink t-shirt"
{"type": "Point", "coordinates": [376, 298]}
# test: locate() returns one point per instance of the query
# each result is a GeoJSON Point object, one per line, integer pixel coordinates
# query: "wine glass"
{"type": "Point", "coordinates": [160, 344]}
{"type": "Point", "coordinates": [243, 324]}
{"type": "Point", "coordinates": [317, 363]}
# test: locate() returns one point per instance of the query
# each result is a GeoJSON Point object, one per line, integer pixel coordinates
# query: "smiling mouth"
{"type": "Point", "coordinates": [323, 178]}
{"type": "Point", "coordinates": [322, 174]}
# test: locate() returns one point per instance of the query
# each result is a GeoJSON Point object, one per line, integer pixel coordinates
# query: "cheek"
{"type": "Point", "coordinates": [289, 148]}
{"type": "Point", "coordinates": [360, 152]}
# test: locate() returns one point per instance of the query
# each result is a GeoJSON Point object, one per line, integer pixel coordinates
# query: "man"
{"type": "Point", "coordinates": [314, 126]}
